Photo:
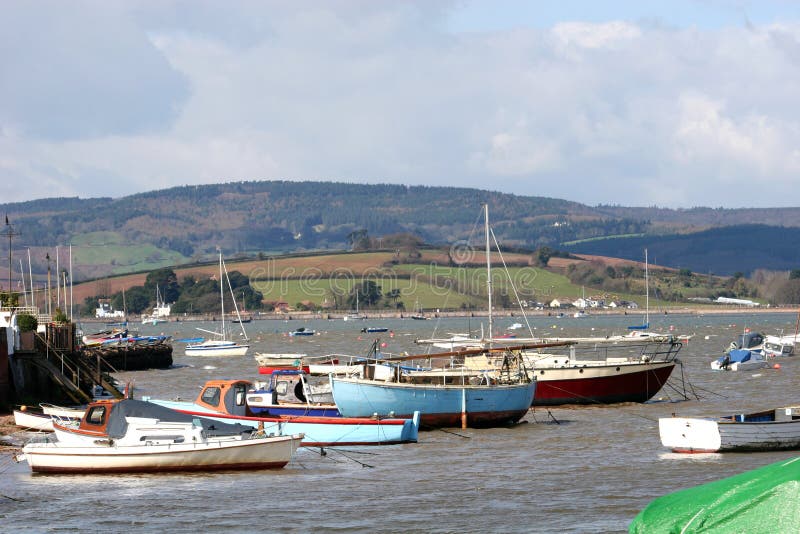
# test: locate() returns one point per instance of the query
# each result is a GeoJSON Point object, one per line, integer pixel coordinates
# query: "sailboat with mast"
{"type": "Point", "coordinates": [352, 316]}
{"type": "Point", "coordinates": [446, 397]}
{"type": "Point", "coordinates": [221, 344]}
{"type": "Point", "coordinates": [160, 311]}
{"type": "Point", "coordinates": [418, 314]}
{"type": "Point", "coordinates": [590, 370]}
{"type": "Point", "coordinates": [646, 324]}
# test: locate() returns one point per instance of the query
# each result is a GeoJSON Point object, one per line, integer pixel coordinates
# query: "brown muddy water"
{"type": "Point", "coordinates": [564, 469]}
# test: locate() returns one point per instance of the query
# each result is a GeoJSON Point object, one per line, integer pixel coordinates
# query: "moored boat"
{"type": "Point", "coordinates": [221, 345]}
{"type": "Point", "coordinates": [739, 360]}
{"type": "Point", "coordinates": [135, 436]}
{"type": "Point", "coordinates": [775, 346]}
{"type": "Point", "coordinates": [34, 420]}
{"type": "Point", "coordinates": [271, 362]}
{"type": "Point", "coordinates": [770, 430]}
{"type": "Point", "coordinates": [302, 331]}
{"type": "Point", "coordinates": [454, 401]}
{"type": "Point", "coordinates": [602, 373]}
{"type": "Point", "coordinates": [216, 347]}
{"type": "Point", "coordinates": [226, 400]}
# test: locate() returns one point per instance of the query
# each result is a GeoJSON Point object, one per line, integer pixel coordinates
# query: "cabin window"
{"type": "Point", "coordinates": [282, 387]}
{"type": "Point", "coordinates": [96, 415]}
{"type": "Point", "coordinates": [211, 396]}
{"type": "Point", "coordinates": [240, 395]}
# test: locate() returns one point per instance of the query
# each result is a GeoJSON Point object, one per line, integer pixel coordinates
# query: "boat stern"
{"type": "Point", "coordinates": [411, 429]}
{"type": "Point", "coordinates": [689, 435]}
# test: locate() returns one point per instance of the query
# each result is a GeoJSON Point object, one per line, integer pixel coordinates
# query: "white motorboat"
{"type": "Point", "coordinates": [739, 360]}
{"type": "Point", "coordinates": [137, 436]}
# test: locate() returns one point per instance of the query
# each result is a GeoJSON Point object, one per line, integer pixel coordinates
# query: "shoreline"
{"type": "Point", "coordinates": [377, 314]}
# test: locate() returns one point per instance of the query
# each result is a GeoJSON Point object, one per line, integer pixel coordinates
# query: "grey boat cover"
{"type": "Point", "coordinates": [118, 426]}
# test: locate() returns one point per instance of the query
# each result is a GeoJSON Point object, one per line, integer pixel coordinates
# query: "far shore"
{"type": "Point", "coordinates": [434, 314]}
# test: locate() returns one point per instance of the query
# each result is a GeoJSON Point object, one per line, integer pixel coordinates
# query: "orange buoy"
{"type": "Point", "coordinates": [776, 366]}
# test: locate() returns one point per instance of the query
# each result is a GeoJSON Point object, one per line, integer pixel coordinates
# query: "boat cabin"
{"type": "Point", "coordinates": [95, 418]}
{"type": "Point", "coordinates": [774, 348]}
{"type": "Point", "coordinates": [225, 396]}
{"type": "Point", "coordinates": [291, 386]}
{"type": "Point", "coordinates": [749, 340]}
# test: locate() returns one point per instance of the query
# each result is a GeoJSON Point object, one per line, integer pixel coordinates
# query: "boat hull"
{"type": "Point", "coordinates": [310, 410]}
{"type": "Point", "coordinates": [263, 453]}
{"type": "Point", "coordinates": [319, 431]}
{"type": "Point", "coordinates": [33, 421]}
{"type": "Point", "coordinates": [440, 406]}
{"type": "Point", "coordinates": [601, 384]}
{"type": "Point", "coordinates": [697, 435]}
{"type": "Point", "coordinates": [230, 350]}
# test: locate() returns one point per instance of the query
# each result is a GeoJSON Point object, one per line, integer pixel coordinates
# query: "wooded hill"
{"type": "Point", "coordinates": [186, 224]}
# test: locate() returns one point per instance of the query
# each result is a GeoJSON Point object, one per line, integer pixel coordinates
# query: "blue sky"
{"type": "Point", "coordinates": [674, 104]}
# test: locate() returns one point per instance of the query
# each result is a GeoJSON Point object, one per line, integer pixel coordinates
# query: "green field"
{"type": "Point", "coordinates": [325, 280]}
{"type": "Point", "coordinates": [435, 287]}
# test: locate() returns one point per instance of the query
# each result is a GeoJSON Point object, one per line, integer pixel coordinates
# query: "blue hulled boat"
{"type": "Point", "coordinates": [442, 405]}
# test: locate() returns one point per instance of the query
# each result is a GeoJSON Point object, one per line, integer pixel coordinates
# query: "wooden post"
{"type": "Point", "coordinates": [463, 408]}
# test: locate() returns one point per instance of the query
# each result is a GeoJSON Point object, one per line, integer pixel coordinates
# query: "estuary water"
{"type": "Point", "coordinates": [564, 469]}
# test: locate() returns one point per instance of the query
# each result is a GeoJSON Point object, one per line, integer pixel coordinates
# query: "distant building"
{"type": "Point", "coordinates": [105, 311]}
{"type": "Point", "coordinates": [281, 306]}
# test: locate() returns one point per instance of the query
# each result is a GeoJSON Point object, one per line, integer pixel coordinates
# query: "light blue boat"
{"type": "Point", "coordinates": [225, 400]}
{"type": "Point", "coordinates": [451, 405]}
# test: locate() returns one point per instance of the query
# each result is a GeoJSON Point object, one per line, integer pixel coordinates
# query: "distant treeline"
{"type": "Point", "coordinates": [283, 216]}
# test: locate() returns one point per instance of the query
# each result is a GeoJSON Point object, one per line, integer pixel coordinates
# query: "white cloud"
{"type": "Point", "coordinates": [585, 35]}
{"type": "Point", "coordinates": [113, 100]}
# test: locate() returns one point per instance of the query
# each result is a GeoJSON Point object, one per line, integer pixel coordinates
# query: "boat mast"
{"type": "Point", "coordinates": [646, 292]}
{"type": "Point", "coordinates": [70, 286]}
{"type": "Point", "coordinates": [221, 296]}
{"type": "Point", "coordinates": [30, 277]}
{"type": "Point", "coordinates": [488, 270]}
{"type": "Point", "coordinates": [24, 291]}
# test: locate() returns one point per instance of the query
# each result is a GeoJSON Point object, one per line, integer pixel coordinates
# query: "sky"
{"type": "Point", "coordinates": [678, 104]}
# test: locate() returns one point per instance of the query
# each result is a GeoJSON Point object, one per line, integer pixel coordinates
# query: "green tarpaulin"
{"type": "Point", "coordinates": [763, 500]}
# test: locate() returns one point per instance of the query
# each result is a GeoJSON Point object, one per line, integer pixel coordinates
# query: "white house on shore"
{"type": "Point", "coordinates": [105, 311]}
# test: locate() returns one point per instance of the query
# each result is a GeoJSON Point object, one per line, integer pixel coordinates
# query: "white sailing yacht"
{"type": "Point", "coordinates": [221, 345]}
{"type": "Point", "coordinates": [352, 316]}
{"type": "Point", "coordinates": [160, 312]}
